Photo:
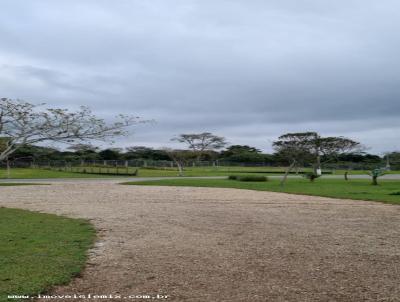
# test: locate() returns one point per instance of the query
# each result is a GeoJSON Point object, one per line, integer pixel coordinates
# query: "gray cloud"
{"type": "Point", "coordinates": [247, 70]}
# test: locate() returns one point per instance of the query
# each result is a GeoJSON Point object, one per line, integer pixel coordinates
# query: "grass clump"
{"type": "Point", "coordinates": [39, 251]}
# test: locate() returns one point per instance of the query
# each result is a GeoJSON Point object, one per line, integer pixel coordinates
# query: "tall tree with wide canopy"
{"type": "Point", "coordinates": [310, 147]}
{"type": "Point", "coordinates": [23, 123]}
{"type": "Point", "coordinates": [201, 143]}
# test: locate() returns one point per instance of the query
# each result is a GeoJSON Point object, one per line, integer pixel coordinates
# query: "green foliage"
{"type": "Point", "coordinates": [252, 178]}
{"type": "Point", "coordinates": [110, 154]}
{"type": "Point", "coordinates": [310, 147]}
{"type": "Point", "coordinates": [243, 153]}
{"type": "Point", "coordinates": [39, 251]}
{"type": "Point", "coordinates": [247, 178]}
{"type": "Point", "coordinates": [141, 152]}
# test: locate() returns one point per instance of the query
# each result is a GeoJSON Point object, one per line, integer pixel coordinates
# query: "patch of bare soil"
{"type": "Point", "coordinates": [201, 244]}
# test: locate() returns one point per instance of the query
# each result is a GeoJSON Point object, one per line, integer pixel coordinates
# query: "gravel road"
{"type": "Point", "coordinates": [204, 244]}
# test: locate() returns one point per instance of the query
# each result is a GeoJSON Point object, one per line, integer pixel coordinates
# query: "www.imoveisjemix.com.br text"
{"type": "Point", "coordinates": [90, 296]}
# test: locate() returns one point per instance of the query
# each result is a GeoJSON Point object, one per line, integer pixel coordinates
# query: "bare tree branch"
{"type": "Point", "coordinates": [24, 123]}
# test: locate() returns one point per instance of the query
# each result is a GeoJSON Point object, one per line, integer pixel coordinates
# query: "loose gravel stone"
{"type": "Point", "coordinates": [210, 244]}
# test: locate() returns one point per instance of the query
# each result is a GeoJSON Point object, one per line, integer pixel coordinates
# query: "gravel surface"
{"type": "Point", "coordinates": [203, 244]}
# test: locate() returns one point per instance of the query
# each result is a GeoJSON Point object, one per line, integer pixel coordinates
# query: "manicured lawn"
{"type": "Point", "coordinates": [151, 172]}
{"type": "Point", "coordinates": [40, 250]}
{"type": "Point", "coordinates": [387, 191]}
{"type": "Point", "coordinates": [28, 173]}
{"type": "Point", "coordinates": [22, 173]}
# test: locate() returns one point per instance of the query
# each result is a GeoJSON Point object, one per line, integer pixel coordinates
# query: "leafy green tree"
{"type": "Point", "coordinates": [141, 152]}
{"type": "Point", "coordinates": [110, 154]}
{"type": "Point", "coordinates": [375, 173]}
{"type": "Point", "coordinates": [85, 151]}
{"type": "Point", "coordinates": [392, 160]}
{"type": "Point", "coordinates": [310, 147]}
{"type": "Point", "coordinates": [201, 143]}
{"type": "Point", "coordinates": [242, 153]}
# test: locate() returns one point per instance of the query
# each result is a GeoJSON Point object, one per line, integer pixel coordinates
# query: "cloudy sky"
{"type": "Point", "coordinates": [247, 70]}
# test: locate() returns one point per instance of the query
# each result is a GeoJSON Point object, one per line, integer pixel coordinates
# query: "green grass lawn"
{"type": "Point", "coordinates": [40, 250]}
{"type": "Point", "coordinates": [337, 188]}
{"type": "Point", "coordinates": [28, 173]}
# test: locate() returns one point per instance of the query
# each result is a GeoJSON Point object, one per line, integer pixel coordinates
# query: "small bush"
{"type": "Point", "coordinates": [395, 193]}
{"type": "Point", "coordinates": [252, 178]}
{"type": "Point", "coordinates": [247, 178]}
{"type": "Point", "coordinates": [311, 176]}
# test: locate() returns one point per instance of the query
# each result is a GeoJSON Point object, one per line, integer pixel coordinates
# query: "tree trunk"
{"type": "Point", "coordinates": [317, 168]}
{"type": "Point", "coordinates": [346, 175]}
{"type": "Point", "coordinates": [8, 168]}
{"type": "Point", "coordinates": [180, 168]}
{"type": "Point", "coordinates": [283, 181]}
{"type": "Point", "coordinates": [374, 180]}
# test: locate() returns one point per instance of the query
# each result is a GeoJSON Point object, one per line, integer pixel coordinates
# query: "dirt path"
{"type": "Point", "coordinates": [201, 244]}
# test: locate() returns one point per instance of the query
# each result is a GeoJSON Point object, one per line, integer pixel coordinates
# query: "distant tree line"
{"type": "Point", "coordinates": [234, 153]}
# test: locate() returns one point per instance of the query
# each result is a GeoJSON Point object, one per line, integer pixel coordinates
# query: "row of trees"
{"type": "Point", "coordinates": [24, 125]}
{"type": "Point", "coordinates": [233, 153]}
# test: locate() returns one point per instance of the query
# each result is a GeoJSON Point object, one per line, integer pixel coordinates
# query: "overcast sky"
{"type": "Point", "coordinates": [247, 70]}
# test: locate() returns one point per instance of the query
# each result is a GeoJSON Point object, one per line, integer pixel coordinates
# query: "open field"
{"type": "Point", "coordinates": [40, 250]}
{"type": "Point", "coordinates": [28, 173]}
{"type": "Point", "coordinates": [359, 189]}
{"type": "Point", "coordinates": [218, 244]}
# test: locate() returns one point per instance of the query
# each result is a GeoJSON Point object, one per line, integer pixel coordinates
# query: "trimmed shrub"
{"type": "Point", "coordinates": [232, 177]}
{"type": "Point", "coordinates": [395, 193]}
{"type": "Point", "coordinates": [252, 178]}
